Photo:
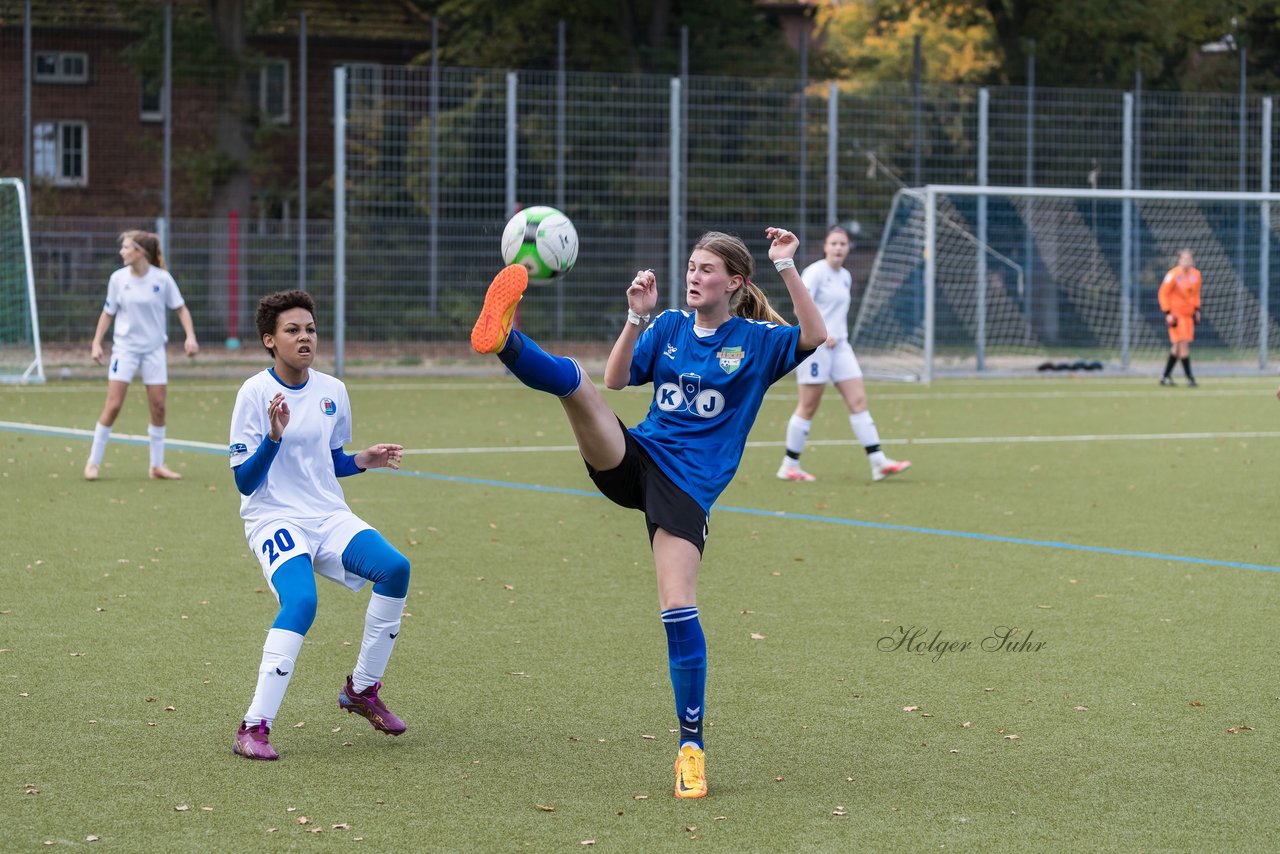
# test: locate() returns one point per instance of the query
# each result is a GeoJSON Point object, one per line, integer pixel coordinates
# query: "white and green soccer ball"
{"type": "Point", "coordinates": [541, 239]}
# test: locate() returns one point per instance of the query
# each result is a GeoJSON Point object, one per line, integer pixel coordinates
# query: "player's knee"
{"type": "Point", "coordinates": [297, 611]}
{"type": "Point", "coordinates": [393, 575]}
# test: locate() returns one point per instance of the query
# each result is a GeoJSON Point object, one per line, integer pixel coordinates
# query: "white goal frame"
{"type": "Point", "coordinates": [34, 371]}
{"type": "Point", "coordinates": [934, 220]}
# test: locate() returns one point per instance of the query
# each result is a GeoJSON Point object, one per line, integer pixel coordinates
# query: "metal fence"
{"type": "Point", "coordinates": [435, 160]}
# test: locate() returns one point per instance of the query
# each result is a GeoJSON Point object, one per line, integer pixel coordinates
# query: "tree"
{"type": "Point", "coordinates": [733, 37]}
{"type": "Point", "coordinates": [873, 41]}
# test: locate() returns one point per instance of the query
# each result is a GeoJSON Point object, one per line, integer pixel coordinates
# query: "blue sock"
{"type": "Point", "coordinates": [687, 654]}
{"type": "Point", "coordinates": [538, 369]}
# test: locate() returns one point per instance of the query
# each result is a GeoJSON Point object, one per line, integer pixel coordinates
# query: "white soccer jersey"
{"type": "Point", "coordinates": [300, 483]}
{"type": "Point", "coordinates": [830, 290]}
{"type": "Point", "coordinates": [138, 304]}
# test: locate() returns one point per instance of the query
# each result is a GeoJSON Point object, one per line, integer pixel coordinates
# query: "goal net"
{"type": "Point", "coordinates": [999, 280]}
{"type": "Point", "coordinates": [20, 359]}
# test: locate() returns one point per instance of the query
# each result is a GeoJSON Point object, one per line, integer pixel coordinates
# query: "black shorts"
{"type": "Point", "coordinates": [640, 484]}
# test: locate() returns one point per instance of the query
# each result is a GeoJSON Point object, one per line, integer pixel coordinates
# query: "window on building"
{"type": "Point", "coordinates": [273, 90]}
{"type": "Point", "coordinates": [61, 66]}
{"type": "Point", "coordinates": [60, 153]}
{"type": "Point", "coordinates": [150, 106]}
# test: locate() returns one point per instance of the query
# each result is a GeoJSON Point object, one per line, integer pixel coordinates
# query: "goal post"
{"type": "Point", "coordinates": [1086, 295]}
{"type": "Point", "coordinates": [20, 356]}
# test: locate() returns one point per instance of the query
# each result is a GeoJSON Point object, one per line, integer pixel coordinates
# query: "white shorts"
{"type": "Point", "coordinates": [155, 367]}
{"type": "Point", "coordinates": [324, 540]}
{"type": "Point", "coordinates": [829, 364]}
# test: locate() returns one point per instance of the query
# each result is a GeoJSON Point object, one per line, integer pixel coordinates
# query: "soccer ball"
{"type": "Point", "coordinates": [541, 239]}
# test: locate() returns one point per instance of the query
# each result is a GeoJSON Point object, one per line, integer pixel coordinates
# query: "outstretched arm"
{"type": "Point", "coordinates": [813, 331]}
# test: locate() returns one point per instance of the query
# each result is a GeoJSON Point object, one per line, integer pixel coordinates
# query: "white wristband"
{"type": "Point", "coordinates": [636, 319]}
{"type": "Point", "coordinates": [784, 264]}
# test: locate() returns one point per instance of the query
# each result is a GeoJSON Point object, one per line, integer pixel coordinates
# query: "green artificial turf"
{"type": "Point", "coordinates": [532, 670]}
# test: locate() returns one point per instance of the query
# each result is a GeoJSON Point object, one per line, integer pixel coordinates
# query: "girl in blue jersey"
{"type": "Point", "coordinates": [288, 429]}
{"type": "Point", "coordinates": [710, 367]}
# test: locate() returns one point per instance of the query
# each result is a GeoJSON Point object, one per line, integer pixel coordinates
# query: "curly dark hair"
{"type": "Point", "coordinates": [272, 306]}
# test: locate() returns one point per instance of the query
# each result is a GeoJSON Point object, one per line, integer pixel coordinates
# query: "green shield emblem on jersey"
{"type": "Point", "coordinates": [730, 358]}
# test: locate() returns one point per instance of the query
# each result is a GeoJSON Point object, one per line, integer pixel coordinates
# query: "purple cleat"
{"type": "Point", "coordinates": [252, 742]}
{"type": "Point", "coordinates": [369, 706]}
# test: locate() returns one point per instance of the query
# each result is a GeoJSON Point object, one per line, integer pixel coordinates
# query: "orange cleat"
{"type": "Point", "coordinates": [691, 773]}
{"type": "Point", "coordinates": [493, 326]}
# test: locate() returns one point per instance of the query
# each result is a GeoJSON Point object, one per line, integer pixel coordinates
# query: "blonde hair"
{"type": "Point", "coordinates": [748, 301]}
{"type": "Point", "coordinates": [149, 244]}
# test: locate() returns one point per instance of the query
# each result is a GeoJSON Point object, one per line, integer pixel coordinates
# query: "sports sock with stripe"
{"type": "Point", "coordinates": [538, 369]}
{"type": "Point", "coordinates": [687, 657]}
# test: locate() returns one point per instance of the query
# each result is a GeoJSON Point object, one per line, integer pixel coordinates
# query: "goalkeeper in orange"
{"type": "Point", "coordinates": [1180, 302]}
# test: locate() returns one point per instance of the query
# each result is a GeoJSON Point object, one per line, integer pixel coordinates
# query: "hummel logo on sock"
{"type": "Point", "coordinates": [392, 635]}
{"type": "Point", "coordinates": [280, 672]}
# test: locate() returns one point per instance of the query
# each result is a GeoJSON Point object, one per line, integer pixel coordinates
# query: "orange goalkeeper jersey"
{"type": "Point", "coordinates": [1180, 291]}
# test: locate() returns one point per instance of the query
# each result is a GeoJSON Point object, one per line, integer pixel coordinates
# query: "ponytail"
{"type": "Point", "coordinates": [750, 302]}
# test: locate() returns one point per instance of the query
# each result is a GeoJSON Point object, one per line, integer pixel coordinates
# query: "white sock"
{"type": "Point", "coordinates": [797, 436]}
{"type": "Point", "coordinates": [381, 626]}
{"type": "Point", "coordinates": [865, 431]}
{"type": "Point", "coordinates": [156, 435]}
{"type": "Point", "coordinates": [100, 436]}
{"type": "Point", "coordinates": [279, 654]}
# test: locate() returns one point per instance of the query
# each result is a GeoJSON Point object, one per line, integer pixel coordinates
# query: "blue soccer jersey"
{"type": "Point", "coordinates": [706, 393]}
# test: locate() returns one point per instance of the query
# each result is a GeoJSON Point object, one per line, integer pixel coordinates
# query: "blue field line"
{"type": "Point", "coordinates": [882, 526]}
{"type": "Point", "coordinates": [209, 448]}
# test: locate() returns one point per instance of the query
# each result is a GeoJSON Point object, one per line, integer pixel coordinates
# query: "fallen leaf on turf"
{"type": "Point", "coordinates": [926, 715]}
{"type": "Point", "coordinates": [640, 797]}
{"type": "Point", "coordinates": [775, 574]}
{"type": "Point", "coordinates": [910, 708]}
{"type": "Point", "coordinates": [335, 729]}
{"type": "Point", "coordinates": [546, 807]}
{"type": "Point", "coordinates": [778, 779]}
{"type": "Point", "coordinates": [151, 723]}
{"type": "Point", "coordinates": [77, 655]}
{"type": "Point", "coordinates": [357, 839]}
{"type": "Point", "coordinates": [290, 809]}
{"type": "Point", "coordinates": [92, 838]}
{"type": "Point", "coordinates": [302, 819]}
{"type": "Point", "coordinates": [181, 808]}
{"type": "Point", "coordinates": [315, 830]}
{"type": "Point", "coordinates": [747, 611]}
{"type": "Point", "coordinates": [519, 673]}
{"type": "Point", "coordinates": [966, 724]}
{"type": "Point", "coordinates": [1236, 730]}
{"type": "Point", "coordinates": [206, 809]}
{"type": "Point", "coordinates": [838, 811]}
{"type": "Point", "coordinates": [757, 636]}
{"type": "Point", "coordinates": [953, 750]}
{"type": "Point", "coordinates": [508, 587]}
{"type": "Point", "coordinates": [31, 790]}
{"type": "Point", "coordinates": [649, 737]}
{"type": "Point", "coordinates": [587, 842]}
{"type": "Point", "coordinates": [1082, 708]}
{"type": "Point", "coordinates": [171, 708]}
{"type": "Point", "coordinates": [347, 744]}
{"type": "Point", "coordinates": [988, 690]}
{"type": "Point", "coordinates": [601, 740]}
{"type": "Point", "coordinates": [342, 826]}
{"type": "Point", "coordinates": [1012, 737]}
{"type": "Point", "coordinates": [1197, 704]}
{"type": "Point", "coordinates": [299, 724]}
{"type": "Point", "coordinates": [24, 694]}
{"type": "Point", "coordinates": [272, 829]}
{"type": "Point", "coordinates": [848, 779]}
